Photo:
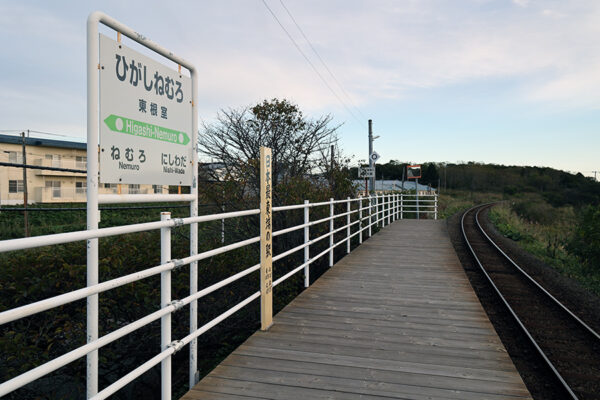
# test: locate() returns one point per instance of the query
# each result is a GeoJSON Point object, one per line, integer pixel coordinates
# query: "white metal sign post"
{"type": "Point", "coordinates": [168, 141]}
{"type": "Point", "coordinates": [414, 172]}
{"type": "Point", "coordinates": [145, 119]}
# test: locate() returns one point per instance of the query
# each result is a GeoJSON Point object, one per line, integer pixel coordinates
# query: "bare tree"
{"type": "Point", "coordinates": [297, 143]}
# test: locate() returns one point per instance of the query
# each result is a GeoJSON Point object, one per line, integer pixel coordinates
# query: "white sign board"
{"type": "Point", "coordinates": [145, 119]}
{"type": "Point", "coordinates": [374, 156]}
{"type": "Point", "coordinates": [366, 172]}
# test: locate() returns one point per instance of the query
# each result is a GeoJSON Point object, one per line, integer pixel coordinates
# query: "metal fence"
{"type": "Point", "coordinates": [359, 217]}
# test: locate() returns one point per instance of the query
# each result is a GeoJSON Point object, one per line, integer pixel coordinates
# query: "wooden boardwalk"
{"type": "Point", "coordinates": [396, 318]}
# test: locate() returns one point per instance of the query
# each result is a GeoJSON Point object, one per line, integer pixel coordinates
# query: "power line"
{"type": "Point", "coordinates": [322, 61]}
{"type": "Point", "coordinates": [18, 131]}
{"type": "Point", "coordinates": [55, 134]}
{"type": "Point", "coordinates": [311, 64]}
{"type": "Point", "coordinates": [9, 164]}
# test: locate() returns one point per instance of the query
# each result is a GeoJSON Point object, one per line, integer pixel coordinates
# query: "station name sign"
{"type": "Point", "coordinates": [145, 119]}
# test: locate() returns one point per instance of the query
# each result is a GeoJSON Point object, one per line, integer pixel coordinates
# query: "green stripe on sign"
{"type": "Point", "coordinates": [142, 129]}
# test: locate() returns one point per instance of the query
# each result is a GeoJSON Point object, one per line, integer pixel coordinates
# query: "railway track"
{"type": "Point", "coordinates": [570, 347]}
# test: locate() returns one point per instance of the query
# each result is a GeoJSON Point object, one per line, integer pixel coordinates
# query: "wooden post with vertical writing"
{"type": "Point", "coordinates": [266, 241]}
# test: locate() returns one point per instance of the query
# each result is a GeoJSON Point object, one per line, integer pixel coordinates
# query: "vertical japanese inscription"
{"type": "Point", "coordinates": [266, 240]}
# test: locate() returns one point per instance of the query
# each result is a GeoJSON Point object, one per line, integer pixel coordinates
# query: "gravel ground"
{"type": "Point", "coordinates": [539, 379]}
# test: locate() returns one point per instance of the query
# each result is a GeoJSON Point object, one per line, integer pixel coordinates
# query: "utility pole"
{"type": "Point", "coordinates": [371, 162]}
{"type": "Point", "coordinates": [26, 219]}
{"type": "Point", "coordinates": [445, 176]}
{"type": "Point", "coordinates": [403, 170]}
{"type": "Point", "coordinates": [332, 168]}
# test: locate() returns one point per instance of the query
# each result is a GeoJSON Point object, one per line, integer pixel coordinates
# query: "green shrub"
{"type": "Point", "coordinates": [536, 211]}
{"type": "Point", "coordinates": [585, 242]}
{"type": "Point", "coordinates": [568, 244]}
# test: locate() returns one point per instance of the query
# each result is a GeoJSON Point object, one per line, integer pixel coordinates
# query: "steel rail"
{"type": "Point", "coordinates": [530, 278]}
{"type": "Point", "coordinates": [509, 308]}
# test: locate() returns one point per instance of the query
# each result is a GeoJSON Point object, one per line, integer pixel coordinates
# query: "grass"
{"type": "Point", "coordinates": [453, 201]}
{"type": "Point", "coordinates": [547, 241]}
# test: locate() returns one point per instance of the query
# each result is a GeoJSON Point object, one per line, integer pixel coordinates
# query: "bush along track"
{"type": "Point", "coordinates": [536, 375]}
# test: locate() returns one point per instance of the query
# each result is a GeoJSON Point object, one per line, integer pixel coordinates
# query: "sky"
{"type": "Point", "coordinates": [513, 82]}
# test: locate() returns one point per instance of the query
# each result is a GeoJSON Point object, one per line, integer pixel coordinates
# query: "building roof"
{"type": "Point", "coordinates": [391, 185]}
{"type": "Point", "coordinates": [29, 141]}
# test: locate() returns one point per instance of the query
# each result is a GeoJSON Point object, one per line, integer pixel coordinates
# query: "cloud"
{"type": "Point", "coordinates": [521, 3]}
{"type": "Point", "coordinates": [389, 55]}
{"type": "Point", "coordinates": [380, 51]}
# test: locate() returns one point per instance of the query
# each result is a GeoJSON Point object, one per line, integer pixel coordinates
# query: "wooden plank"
{"type": "Point", "coordinates": [393, 365]}
{"type": "Point", "coordinates": [275, 392]}
{"type": "Point", "coordinates": [452, 387]}
{"type": "Point", "coordinates": [344, 385]}
{"type": "Point", "coordinates": [406, 315]}
{"type": "Point", "coordinates": [396, 318]}
{"type": "Point", "coordinates": [441, 357]}
{"type": "Point", "coordinates": [456, 341]}
{"type": "Point", "coordinates": [409, 329]}
{"type": "Point", "coordinates": [205, 394]}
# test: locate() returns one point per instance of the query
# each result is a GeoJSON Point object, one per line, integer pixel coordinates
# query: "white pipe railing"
{"type": "Point", "coordinates": [371, 210]}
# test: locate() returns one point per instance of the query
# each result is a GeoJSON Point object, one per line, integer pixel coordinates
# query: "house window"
{"type": "Point", "coordinates": [111, 186]}
{"type": "Point", "coordinates": [80, 162]}
{"type": "Point", "coordinates": [15, 186]}
{"type": "Point", "coordinates": [15, 157]}
{"type": "Point", "coordinates": [54, 160]}
{"type": "Point", "coordinates": [80, 187]}
{"type": "Point", "coordinates": [134, 188]}
{"type": "Point", "coordinates": [157, 189]}
{"type": "Point", "coordinates": [54, 188]}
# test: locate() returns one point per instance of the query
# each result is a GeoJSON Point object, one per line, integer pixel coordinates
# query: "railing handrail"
{"type": "Point", "coordinates": [380, 209]}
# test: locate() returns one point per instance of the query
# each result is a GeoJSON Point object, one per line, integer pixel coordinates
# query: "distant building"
{"type": "Point", "coordinates": [212, 171]}
{"type": "Point", "coordinates": [47, 186]}
{"type": "Point", "coordinates": [388, 186]}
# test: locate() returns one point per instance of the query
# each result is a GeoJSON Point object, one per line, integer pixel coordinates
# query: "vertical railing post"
{"type": "Point", "coordinates": [382, 210]}
{"type": "Point", "coordinates": [223, 222]}
{"type": "Point", "coordinates": [348, 209]}
{"type": "Point", "coordinates": [383, 221]}
{"type": "Point", "coordinates": [331, 214]}
{"type": "Point", "coordinates": [360, 228]}
{"type": "Point", "coordinates": [378, 210]}
{"type": "Point", "coordinates": [266, 240]}
{"type": "Point", "coordinates": [436, 205]}
{"type": "Point", "coordinates": [306, 240]}
{"type": "Point", "coordinates": [370, 215]}
{"type": "Point", "coordinates": [401, 205]}
{"type": "Point", "coordinates": [165, 299]}
{"type": "Point", "coordinates": [389, 208]}
{"type": "Point", "coordinates": [417, 196]}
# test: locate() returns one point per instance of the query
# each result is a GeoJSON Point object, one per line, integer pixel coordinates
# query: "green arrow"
{"type": "Point", "coordinates": [142, 129]}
